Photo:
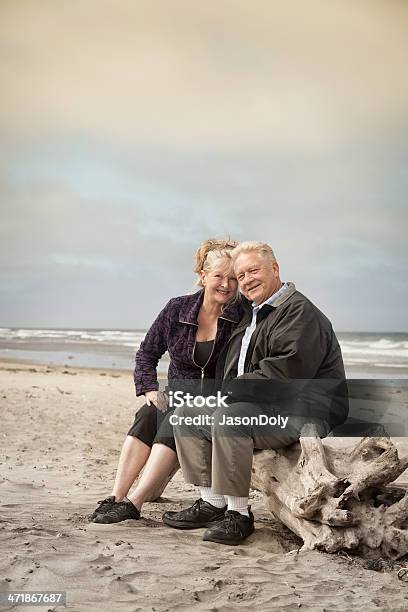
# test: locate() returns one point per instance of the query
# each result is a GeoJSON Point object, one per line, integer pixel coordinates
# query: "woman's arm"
{"type": "Point", "coordinates": [151, 350]}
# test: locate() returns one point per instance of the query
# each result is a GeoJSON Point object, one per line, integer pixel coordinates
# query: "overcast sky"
{"type": "Point", "coordinates": [131, 130]}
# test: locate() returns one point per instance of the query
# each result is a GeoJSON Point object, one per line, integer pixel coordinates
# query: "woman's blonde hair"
{"type": "Point", "coordinates": [211, 254]}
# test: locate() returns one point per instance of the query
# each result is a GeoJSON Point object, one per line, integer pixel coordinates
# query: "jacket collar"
{"type": "Point", "coordinates": [286, 293]}
{"type": "Point", "coordinates": [191, 307]}
{"type": "Point", "coordinates": [289, 290]}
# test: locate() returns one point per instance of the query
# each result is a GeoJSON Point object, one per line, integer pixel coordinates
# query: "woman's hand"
{"type": "Point", "coordinates": [151, 398]}
{"type": "Point", "coordinates": [158, 399]}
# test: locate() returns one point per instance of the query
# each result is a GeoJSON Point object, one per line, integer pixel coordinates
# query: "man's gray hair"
{"type": "Point", "coordinates": [249, 246]}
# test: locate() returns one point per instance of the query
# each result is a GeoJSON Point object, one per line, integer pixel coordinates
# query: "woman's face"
{"type": "Point", "coordinates": [220, 284]}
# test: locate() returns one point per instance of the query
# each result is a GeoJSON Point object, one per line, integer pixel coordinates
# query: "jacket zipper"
{"type": "Point", "coordinates": [206, 363]}
{"type": "Point", "coordinates": [208, 360]}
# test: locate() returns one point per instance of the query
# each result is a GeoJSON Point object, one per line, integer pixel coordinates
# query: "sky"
{"type": "Point", "coordinates": [132, 130]}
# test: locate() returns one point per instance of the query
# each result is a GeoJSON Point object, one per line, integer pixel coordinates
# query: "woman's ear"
{"type": "Point", "coordinates": [202, 278]}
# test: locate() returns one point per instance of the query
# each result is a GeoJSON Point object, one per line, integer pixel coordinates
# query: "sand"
{"type": "Point", "coordinates": [61, 433]}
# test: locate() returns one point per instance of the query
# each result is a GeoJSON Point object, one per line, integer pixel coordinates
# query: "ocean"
{"type": "Point", "coordinates": [365, 354]}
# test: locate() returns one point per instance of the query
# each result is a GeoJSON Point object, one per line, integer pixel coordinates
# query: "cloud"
{"type": "Point", "coordinates": [133, 130]}
{"type": "Point", "coordinates": [226, 75]}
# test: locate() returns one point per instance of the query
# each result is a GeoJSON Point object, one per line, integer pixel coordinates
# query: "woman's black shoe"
{"type": "Point", "coordinates": [200, 514]}
{"type": "Point", "coordinates": [104, 505]}
{"type": "Point", "coordinates": [233, 529]}
{"type": "Point", "coordinates": [119, 511]}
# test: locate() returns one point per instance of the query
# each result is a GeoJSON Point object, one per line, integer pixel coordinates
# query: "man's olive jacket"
{"type": "Point", "coordinates": [293, 360]}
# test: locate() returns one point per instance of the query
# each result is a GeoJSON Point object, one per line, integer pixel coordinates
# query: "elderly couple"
{"type": "Point", "coordinates": [249, 342]}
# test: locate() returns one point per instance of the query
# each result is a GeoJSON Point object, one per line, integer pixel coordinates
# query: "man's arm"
{"type": "Point", "coordinates": [296, 348]}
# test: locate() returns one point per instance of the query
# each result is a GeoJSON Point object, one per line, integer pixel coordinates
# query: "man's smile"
{"type": "Point", "coordinates": [253, 288]}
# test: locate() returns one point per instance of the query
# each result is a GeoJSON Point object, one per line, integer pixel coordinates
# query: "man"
{"type": "Point", "coordinates": [283, 362]}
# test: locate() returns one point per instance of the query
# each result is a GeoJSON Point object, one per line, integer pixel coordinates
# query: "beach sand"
{"type": "Point", "coordinates": [61, 433]}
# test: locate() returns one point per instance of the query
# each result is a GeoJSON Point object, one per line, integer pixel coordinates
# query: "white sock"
{"type": "Point", "coordinates": [212, 498]}
{"type": "Point", "coordinates": [239, 504]}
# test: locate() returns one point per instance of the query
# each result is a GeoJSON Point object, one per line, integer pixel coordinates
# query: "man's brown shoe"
{"type": "Point", "coordinates": [200, 514]}
{"type": "Point", "coordinates": [232, 530]}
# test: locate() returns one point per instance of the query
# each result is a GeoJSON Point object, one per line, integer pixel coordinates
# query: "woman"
{"type": "Point", "coordinates": [193, 329]}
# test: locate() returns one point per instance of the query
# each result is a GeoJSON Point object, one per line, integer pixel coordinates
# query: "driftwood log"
{"type": "Point", "coordinates": [337, 498]}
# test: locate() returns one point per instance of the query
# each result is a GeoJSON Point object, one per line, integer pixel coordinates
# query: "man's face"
{"type": "Point", "coordinates": [258, 278]}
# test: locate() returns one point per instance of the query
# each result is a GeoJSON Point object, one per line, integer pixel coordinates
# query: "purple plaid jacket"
{"type": "Point", "coordinates": [174, 331]}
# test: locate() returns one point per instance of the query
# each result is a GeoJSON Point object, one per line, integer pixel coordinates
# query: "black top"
{"type": "Point", "coordinates": [202, 352]}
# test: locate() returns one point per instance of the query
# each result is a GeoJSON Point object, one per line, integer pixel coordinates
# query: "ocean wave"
{"type": "Point", "coordinates": [379, 349]}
